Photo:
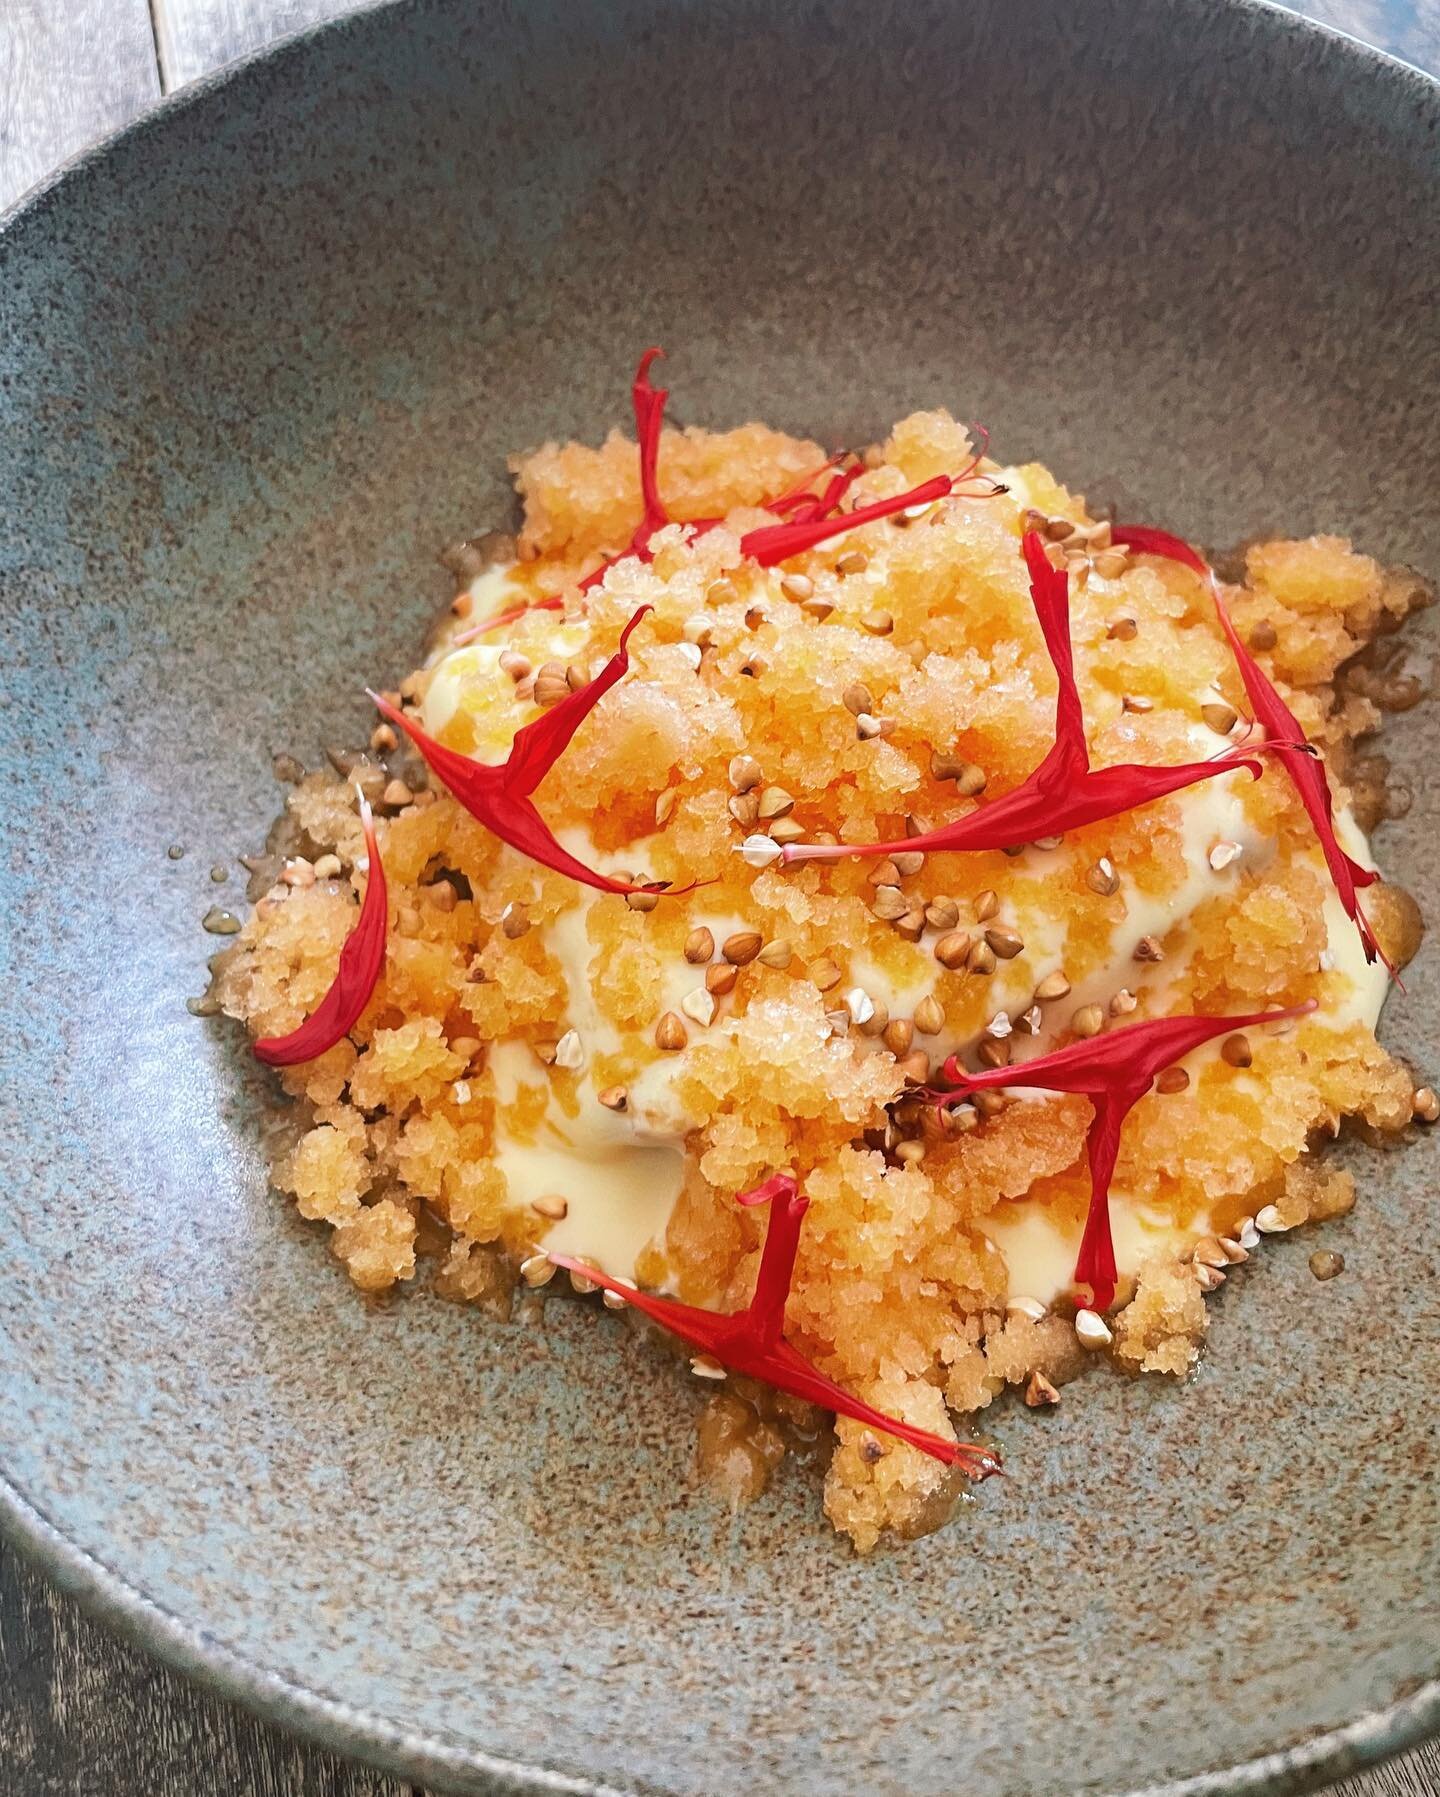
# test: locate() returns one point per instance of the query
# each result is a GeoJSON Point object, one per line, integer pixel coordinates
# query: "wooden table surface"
{"type": "Point", "coordinates": [82, 1713]}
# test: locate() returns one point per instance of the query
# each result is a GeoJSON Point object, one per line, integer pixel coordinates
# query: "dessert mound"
{"type": "Point", "coordinates": [595, 1070]}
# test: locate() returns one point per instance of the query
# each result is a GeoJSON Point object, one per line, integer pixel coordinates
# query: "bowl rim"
{"type": "Point", "coordinates": [435, 1757]}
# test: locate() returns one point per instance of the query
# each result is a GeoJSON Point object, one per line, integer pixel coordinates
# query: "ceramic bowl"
{"type": "Point", "coordinates": [259, 357]}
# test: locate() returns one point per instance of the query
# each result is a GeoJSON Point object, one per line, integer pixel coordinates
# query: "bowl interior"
{"type": "Point", "coordinates": [257, 361]}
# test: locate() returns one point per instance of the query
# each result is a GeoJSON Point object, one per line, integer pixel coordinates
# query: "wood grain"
{"type": "Point", "coordinates": [82, 1713]}
{"type": "Point", "coordinates": [196, 36]}
{"type": "Point", "coordinates": [70, 70]}
{"type": "Point", "coordinates": [1417, 1775]}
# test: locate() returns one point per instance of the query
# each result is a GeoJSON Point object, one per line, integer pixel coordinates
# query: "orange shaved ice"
{"type": "Point", "coordinates": [884, 682]}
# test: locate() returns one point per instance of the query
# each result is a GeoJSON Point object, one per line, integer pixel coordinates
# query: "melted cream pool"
{"type": "Point", "coordinates": [620, 1184]}
{"type": "Point", "coordinates": [620, 1173]}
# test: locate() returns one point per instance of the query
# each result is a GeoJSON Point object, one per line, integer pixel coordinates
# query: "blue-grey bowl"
{"type": "Point", "coordinates": [259, 357]}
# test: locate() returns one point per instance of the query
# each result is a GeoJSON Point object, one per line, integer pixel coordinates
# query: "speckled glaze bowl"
{"type": "Point", "coordinates": [258, 358]}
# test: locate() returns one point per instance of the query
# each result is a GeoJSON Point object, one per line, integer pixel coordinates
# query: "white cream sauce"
{"type": "Point", "coordinates": [619, 1184]}
{"type": "Point", "coordinates": [619, 1172]}
{"type": "Point", "coordinates": [1040, 1248]}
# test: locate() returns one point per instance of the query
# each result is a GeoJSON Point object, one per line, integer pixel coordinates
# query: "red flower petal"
{"type": "Point", "coordinates": [774, 543]}
{"type": "Point", "coordinates": [822, 505]}
{"type": "Point", "coordinates": [361, 959]}
{"type": "Point", "coordinates": [649, 404]}
{"type": "Point", "coordinates": [1064, 792]}
{"type": "Point", "coordinates": [799, 496]}
{"type": "Point", "coordinates": [1113, 1071]}
{"type": "Point", "coordinates": [500, 796]}
{"type": "Point", "coordinates": [750, 1341]}
{"type": "Point", "coordinates": [1302, 763]}
{"type": "Point", "coordinates": [768, 548]}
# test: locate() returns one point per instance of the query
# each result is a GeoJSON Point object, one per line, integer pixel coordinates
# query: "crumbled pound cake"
{"type": "Point", "coordinates": [580, 1025]}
